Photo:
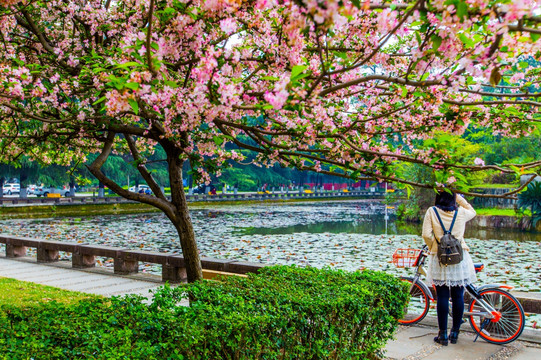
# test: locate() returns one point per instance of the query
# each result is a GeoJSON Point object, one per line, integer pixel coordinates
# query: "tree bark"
{"type": "Point", "coordinates": [180, 217]}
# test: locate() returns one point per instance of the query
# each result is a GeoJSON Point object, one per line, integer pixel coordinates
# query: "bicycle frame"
{"type": "Point", "coordinates": [489, 313]}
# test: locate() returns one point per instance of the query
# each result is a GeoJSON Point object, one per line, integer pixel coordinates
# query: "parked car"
{"type": "Point", "coordinates": [46, 190]}
{"type": "Point", "coordinates": [30, 189]}
{"type": "Point", "coordinates": [9, 189]}
{"type": "Point", "coordinates": [136, 189]}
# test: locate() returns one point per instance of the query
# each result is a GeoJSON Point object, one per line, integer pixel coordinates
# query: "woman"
{"type": "Point", "coordinates": [451, 279]}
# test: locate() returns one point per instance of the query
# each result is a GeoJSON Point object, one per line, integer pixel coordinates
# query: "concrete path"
{"type": "Point", "coordinates": [417, 342]}
{"type": "Point", "coordinates": [411, 343]}
{"type": "Point", "coordinates": [93, 281]}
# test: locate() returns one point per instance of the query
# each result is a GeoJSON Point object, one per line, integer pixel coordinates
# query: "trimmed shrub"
{"type": "Point", "coordinates": [281, 313]}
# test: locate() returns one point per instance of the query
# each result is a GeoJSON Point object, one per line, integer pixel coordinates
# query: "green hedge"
{"type": "Point", "coordinates": [281, 313]}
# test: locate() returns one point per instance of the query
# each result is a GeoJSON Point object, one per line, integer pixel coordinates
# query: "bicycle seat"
{"type": "Point", "coordinates": [478, 267]}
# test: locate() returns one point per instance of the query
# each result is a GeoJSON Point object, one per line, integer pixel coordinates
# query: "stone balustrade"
{"type": "Point", "coordinates": [126, 261]}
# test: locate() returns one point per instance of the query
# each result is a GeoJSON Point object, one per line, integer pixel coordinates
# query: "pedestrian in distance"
{"type": "Point", "coordinates": [450, 280]}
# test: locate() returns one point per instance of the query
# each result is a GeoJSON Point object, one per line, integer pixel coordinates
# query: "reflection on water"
{"type": "Point", "coordinates": [375, 224]}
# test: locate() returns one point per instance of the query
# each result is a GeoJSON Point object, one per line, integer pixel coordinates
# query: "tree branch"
{"type": "Point", "coordinates": [95, 169]}
{"type": "Point", "coordinates": [379, 77]}
{"type": "Point", "coordinates": [142, 168]}
{"type": "Point", "coordinates": [149, 39]}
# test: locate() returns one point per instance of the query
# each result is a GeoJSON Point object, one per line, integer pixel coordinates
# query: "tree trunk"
{"type": "Point", "coordinates": [22, 182]}
{"type": "Point", "coordinates": [184, 227]}
{"type": "Point", "coordinates": [72, 186]}
{"type": "Point", "coordinates": [180, 217]}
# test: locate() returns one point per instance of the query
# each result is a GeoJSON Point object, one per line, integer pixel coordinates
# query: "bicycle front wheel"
{"type": "Point", "coordinates": [509, 322]}
{"type": "Point", "coordinates": [418, 304]}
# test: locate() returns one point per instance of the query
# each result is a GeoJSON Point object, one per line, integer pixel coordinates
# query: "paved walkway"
{"type": "Point", "coordinates": [411, 343]}
{"type": "Point", "coordinates": [417, 342]}
{"type": "Point", "coordinates": [92, 281]}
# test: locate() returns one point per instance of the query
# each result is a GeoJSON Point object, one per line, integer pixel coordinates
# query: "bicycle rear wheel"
{"type": "Point", "coordinates": [418, 304]}
{"type": "Point", "coordinates": [509, 323]}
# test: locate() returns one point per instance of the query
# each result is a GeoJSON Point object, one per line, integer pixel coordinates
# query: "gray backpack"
{"type": "Point", "coordinates": [449, 247]}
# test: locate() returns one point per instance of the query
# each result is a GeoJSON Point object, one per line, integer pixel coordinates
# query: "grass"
{"type": "Point", "coordinates": [498, 212]}
{"type": "Point", "coordinates": [496, 186]}
{"type": "Point", "coordinates": [22, 293]}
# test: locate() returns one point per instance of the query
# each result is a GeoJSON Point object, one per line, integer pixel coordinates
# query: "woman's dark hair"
{"type": "Point", "coordinates": [446, 201]}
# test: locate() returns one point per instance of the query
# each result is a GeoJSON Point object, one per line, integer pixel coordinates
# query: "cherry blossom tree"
{"type": "Point", "coordinates": [349, 88]}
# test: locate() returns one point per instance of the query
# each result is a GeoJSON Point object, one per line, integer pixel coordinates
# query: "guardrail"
{"type": "Point", "coordinates": [126, 261]}
{"type": "Point", "coordinates": [4, 201]}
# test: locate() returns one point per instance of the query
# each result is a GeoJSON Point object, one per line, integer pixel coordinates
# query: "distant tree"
{"type": "Point", "coordinates": [340, 87]}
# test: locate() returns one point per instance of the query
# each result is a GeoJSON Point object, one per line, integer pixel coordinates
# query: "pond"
{"type": "Point", "coordinates": [347, 235]}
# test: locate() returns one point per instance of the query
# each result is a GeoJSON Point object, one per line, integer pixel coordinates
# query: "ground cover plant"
{"type": "Point", "coordinates": [282, 313]}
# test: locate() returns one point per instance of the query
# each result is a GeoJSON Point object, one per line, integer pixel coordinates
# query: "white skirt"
{"type": "Point", "coordinates": [451, 275]}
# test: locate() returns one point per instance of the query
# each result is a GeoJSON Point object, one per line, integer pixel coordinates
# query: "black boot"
{"type": "Point", "coordinates": [453, 336]}
{"type": "Point", "coordinates": [442, 338]}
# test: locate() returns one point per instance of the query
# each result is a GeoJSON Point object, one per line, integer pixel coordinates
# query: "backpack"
{"type": "Point", "coordinates": [449, 247]}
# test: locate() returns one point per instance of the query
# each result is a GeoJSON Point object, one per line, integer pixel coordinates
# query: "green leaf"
{"type": "Point", "coordinates": [418, 37]}
{"type": "Point", "coordinates": [132, 85]}
{"type": "Point", "coordinates": [103, 98]}
{"type": "Point", "coordinates": [128, 64]}
{"type": "Point", "coordinates": [134, 105]}
{"type": "Point", "coordinates": [301, 76]}
{"type": "Point", "coordinates": [169, 11]}
{"type": "Point", "coordinates": [171, 84]}
{"type": "Point", "coordinates": [356, 3]}
{"type": "Point", "coordinates": [467, 41]}
{"type": "Point", "coordinates": [517, 170]}
{"type": "Point", "coordinates": [297, 69]}
{"type": "Point", "coordinates": [436, 42]}
{"type": "Point", "coordinates": [534, 36]}
{"type": "Point", "coordinates": [218, 140]}
{"type": "Point", "coordinates": [404, 91]}
{"type": "Point", "coordinates": [342, 55]}
{"type": "Point", "coordinates": [462, 10]}
{"type": "Point", "coordinates": [155, 46]}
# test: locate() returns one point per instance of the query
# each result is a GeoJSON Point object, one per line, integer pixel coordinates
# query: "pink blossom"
{"type": "Point", "coordinates": [228, 26]}
{"type": "Point", "coordinates": [479, 161]}
{"type": "Point", "coordinates": [54, 79]}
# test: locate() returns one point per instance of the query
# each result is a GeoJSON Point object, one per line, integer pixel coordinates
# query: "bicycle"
{"type": "Point", "coordinates": [494, 314]}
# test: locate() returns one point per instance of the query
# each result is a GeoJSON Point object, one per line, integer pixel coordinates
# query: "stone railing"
{"type": "Point", "coordinates": [5, 201]}
{"type": "Point", "coordinates": [126, 261]}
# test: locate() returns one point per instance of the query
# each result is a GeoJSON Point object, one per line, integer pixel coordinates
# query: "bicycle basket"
{"type": "Point", "coordinates": [405, 257]}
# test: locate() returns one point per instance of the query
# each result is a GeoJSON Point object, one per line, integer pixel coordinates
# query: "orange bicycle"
{"type": "Point", "coordinates": [494, 314]}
